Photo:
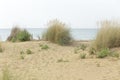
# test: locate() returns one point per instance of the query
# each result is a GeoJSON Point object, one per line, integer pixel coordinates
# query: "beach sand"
{"type": "Point", "coordinates": [55, 63]}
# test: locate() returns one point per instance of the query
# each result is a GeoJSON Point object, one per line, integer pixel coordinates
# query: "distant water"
{"type": "Point", "coordinates": [77, 34]}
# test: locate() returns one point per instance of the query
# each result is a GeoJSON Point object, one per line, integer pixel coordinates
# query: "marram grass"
{"type": "Point", "coordinates": [57, 32]}
{"type": "Point", "coordinates": [108, 36]}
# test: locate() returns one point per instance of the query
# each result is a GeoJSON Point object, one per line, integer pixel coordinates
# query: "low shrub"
{"type": "Point", "coordinates": [28, 51]}
{"type": "Point", "coordinates": [44, 47]}
{"type": "Point", "coordinates": [83, 46]}
{"type": "Point", "coordinates": [57, 32]}
{"type": "Point", "coordinates": [92, 51]}
{"type": "Point", "coordinates": [23, 35]}
{"type": "Point", "coordinates": [83, 56]}
{"type": "Point", "coordinates": [103, 53]}
{"type": "Point", "coordinates": [18, 34]}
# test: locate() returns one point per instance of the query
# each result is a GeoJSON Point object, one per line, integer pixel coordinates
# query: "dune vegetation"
{"type": "Point", "coordinates": [108, 36]}
{"type": "Point", "coordinates": [18, 34]}
{"type": "Point", "coordinates": [57, 32]}
{"type": "Point", "coordinates": [1, 50]}
{"type": "Point", "coordinates": [46, 60]}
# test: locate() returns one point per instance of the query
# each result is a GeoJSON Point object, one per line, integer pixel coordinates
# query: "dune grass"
{"type": "Point", "coordinates": [1, 50]}
{"type": "Point", "coordinates": [13, 34]}
{"type": "Point", "coordinates": [108, 36]}
{"type": "Point", "coordinates": [57, 32]}
{"type": "Point", "coordinates": [18, 34]}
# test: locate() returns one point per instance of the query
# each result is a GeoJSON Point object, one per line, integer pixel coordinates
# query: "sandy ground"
{"type": "Point", "coordinates": [56, 63]}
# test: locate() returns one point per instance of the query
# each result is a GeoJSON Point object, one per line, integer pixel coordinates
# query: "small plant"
{"type": "Point", "coordinates": [114, 54]}
{"type": "Point", "coordinates": [1, 50]}
{"type": "Point", "coordinates": [83, 56]}
{"type": "Point", "coordinates": [21, 52]}
{"type": "Point", "coordinates": [23, 35]}
{"type": "Point", "coordinates": [40, 45]}
{"type": "Point", "coordinates": [98, 64]}
{"type": "Point", "coordinates": [103, 53]}
{"type": "Point", "coordinates": [76, 50]}
{"type": "Point", "coordinates": [92, 51]}
{"type": "Point", "coordinates": [61, 60]}
{"type": "Point", "coordinates": [44, 47]}
{"type": "Point", "coordinates": [83, 46]}
{"type": "Point", "coordinates": [22, 57]}
{"type": "Point", "coordinates": [28, 51]}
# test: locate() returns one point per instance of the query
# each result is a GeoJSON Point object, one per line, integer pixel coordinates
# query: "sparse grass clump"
{"type": "Point", "coordinates": [83, 56]}
{"type": "Point", "coordinates": [83, 46]}
{"type": "Point", "coordinates": [44, 46]}
{"type": "Point", "coordinates": [57, 32]}
{"type": "Point", "coordinates": [13, 34]}
{"type": "Point", "coordinates": [103, 53]}
{"type": "Point", "coordinates": [1, 50]}
{"type": "Point", "coordinates": [108, 36]}
{"type": "Point", "coordinates": [80, 47]}
{"type": "Point", "coordinates": [28, 51]}
{"type": "Point", "coordinates": [76, 50]}
{"type": "Point", "coordinates": [114, 54]}
{"type": "Point", "coordinates": [92, 51]}
{"type": "Point", "coordinates": [61, 60]}
{"type": "Point", "coordinates": [18, 34]}
{"type": "Point", "coordinates": [22, 55]}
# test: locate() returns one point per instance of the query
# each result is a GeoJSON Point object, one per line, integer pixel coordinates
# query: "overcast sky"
{"type": "Point", "coordinates": [76, 13]}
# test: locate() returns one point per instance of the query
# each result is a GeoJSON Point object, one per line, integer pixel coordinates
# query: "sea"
{"type": "Point", "coordinates": [77, 34]}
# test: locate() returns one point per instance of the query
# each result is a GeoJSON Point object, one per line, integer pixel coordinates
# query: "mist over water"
{"type": "Point", "coordinates": [77, 34]}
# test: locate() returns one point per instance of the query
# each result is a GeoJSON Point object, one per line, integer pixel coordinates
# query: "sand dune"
{"type": "Point", "coordinates": [56, 63]}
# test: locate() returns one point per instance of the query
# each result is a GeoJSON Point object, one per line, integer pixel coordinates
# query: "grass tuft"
{"type": "Point", "coordinates": [83, 46]}
{"type": "Point", "coordinates": [57, 32]}
{"type": "Point", "coordinates": [61, 60]}
{"type": "Point", "coordinates": [28, 51]}
{"type": "Point", "coordinates": [18, 34]}
{"type": "Point", "coordinates": [1, 49]}
{"type": "Point", "coordinates": [108, 36]}
{"type": "Point", "coordinates": [103, 53]}
{"type": "Point", "coordinates": [83, 56]}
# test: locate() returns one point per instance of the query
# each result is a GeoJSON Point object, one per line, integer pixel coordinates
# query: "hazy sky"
{"type": "Point", "coordinates": [76, 13]}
